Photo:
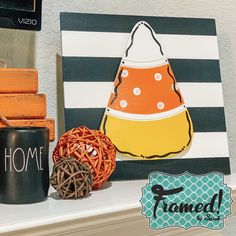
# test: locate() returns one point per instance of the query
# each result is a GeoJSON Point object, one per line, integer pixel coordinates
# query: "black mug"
{"type": "Point", "coordinates": [24, 170]}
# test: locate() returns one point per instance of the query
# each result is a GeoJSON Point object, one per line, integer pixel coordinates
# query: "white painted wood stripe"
{"type": "Point", "coordinates": [97, 94]}
{"type": "Point", "coordinates": [207, 144]}
{"type": "Point", "coordinates": [104, 44]}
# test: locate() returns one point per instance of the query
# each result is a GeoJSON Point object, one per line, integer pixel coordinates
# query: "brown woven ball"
{"type": "Point", "coordinates": [71, 178]}
{"type": "Point", "coordinates": [92, 148]}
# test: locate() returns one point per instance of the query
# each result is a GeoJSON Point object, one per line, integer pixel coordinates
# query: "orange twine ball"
{"type": "Point", "coordinates": [90, 147]}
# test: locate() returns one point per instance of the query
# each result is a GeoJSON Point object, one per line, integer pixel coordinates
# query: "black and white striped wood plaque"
{"type": "Point", "coordinates": [92, 47]}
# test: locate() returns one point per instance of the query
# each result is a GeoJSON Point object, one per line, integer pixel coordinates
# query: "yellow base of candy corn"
{"type": "Point", "coordinates": [156, 139]}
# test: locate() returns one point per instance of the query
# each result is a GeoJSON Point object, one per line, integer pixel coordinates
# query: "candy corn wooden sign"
{"type": "Point", "coordinates": [153, 85]}
{"type": "Point", "coordinates": [146, 117]}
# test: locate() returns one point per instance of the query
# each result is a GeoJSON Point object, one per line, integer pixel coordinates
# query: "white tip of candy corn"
{"type": "Point", "coordinates": [144, 45]}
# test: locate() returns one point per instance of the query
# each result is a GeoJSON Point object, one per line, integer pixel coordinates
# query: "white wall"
{"type": "Point", "coordinates": [26, 49]}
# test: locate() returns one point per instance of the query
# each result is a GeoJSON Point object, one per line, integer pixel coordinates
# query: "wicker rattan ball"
{"type": "Point", "coordinates": [71, 178]}
{"type": "Point", "coordinates": [92, 148]}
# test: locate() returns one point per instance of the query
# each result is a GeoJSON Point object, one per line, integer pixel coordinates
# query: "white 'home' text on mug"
{"type": "Point", "coordinates": [32, 154]}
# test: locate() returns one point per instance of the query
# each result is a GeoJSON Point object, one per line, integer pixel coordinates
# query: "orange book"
{"type": "Point", "coordinates": [49, 123]}
{"type": "Point", "coordinates": [18, 80]}
{"type": "Point", "coordinates": [20, 106]}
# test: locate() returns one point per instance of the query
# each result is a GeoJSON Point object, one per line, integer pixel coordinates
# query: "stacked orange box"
{"type": "Point", "coordinates": [20, 102]}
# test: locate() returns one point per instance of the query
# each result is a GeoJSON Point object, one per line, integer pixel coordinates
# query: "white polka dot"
{"type": "Point", "coordinates": [160, 105]}
{"type": "Point", "coordinates": [123, 103]}
{"type": "Point", "coordinates": [125, 73]}
{"type": "Point", "coordinates": [158, 77]}
{"type": "Point", "coordinates": [137, 91]}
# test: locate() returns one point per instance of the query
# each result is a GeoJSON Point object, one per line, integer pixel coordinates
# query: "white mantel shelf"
{"type": "Point", "coordinates": [114, 209]}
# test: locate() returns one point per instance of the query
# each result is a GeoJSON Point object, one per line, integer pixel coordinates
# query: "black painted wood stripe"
{"type": "Point", "coordinates": [208, 119]}
{"type": "Point", "coordinates": [130, 170]}
{"type": "Point", "coordinates": [211, 119]}
{"type": "Point", "coordinates": [93, 69]}
{"type": "Point", "coordinates": [125, 23]}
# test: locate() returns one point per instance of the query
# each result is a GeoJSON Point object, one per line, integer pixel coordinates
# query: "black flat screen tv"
{"type": "Point", "coordinates": [21, 14]}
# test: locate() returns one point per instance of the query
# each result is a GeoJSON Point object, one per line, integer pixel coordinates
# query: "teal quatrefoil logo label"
{"type": "Point", "coordinates": [186, 200]}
